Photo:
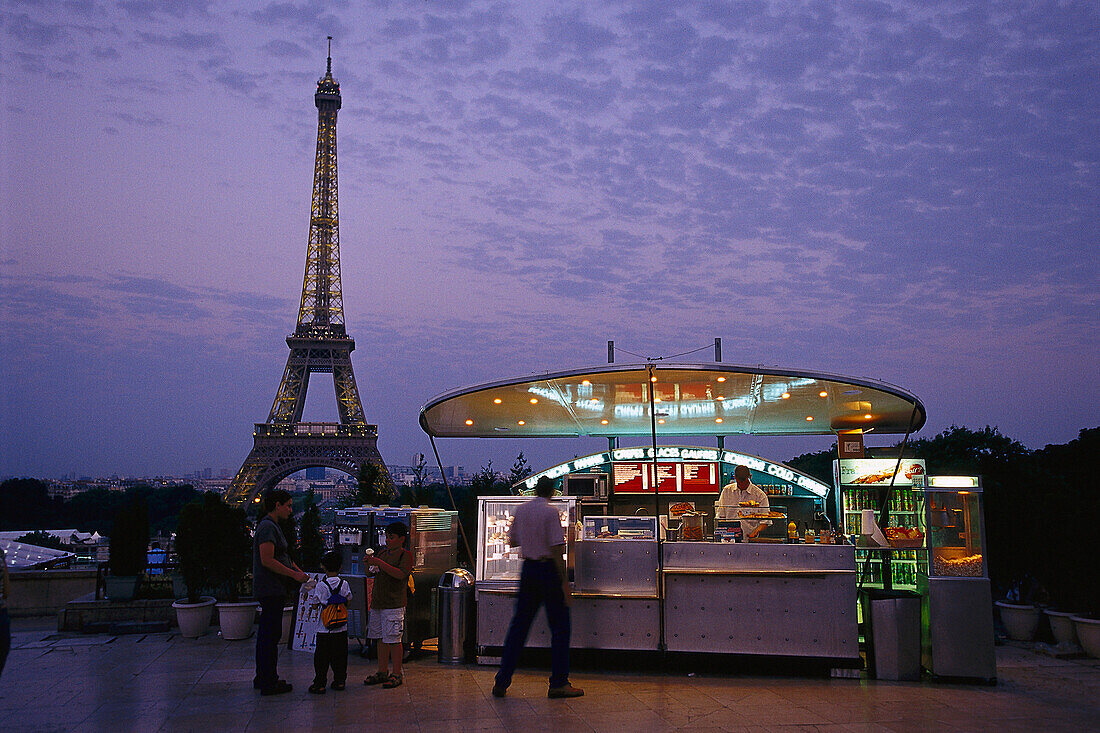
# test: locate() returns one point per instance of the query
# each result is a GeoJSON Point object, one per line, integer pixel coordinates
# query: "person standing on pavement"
{"type": "Point", "coordinates": [538, 533]}
{"type": "Point", "coordinates": [272, 568]}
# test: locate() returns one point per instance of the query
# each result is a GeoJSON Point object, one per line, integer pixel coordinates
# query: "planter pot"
{"type": "Point", "coordinates": [288, 616]}
{"type": "Point", "coordinates": [122, 587]}
{"type": "Point", "coordinates": [194, 618]}
{"type": "Point", "coordinates": [1062, 626]}
{"type": "Point", "coordinates": [1020, 621]}
{"type": "Point", "coordinates": [1088, 633]}
{"type": "Point", "coordinates": [237, 619]}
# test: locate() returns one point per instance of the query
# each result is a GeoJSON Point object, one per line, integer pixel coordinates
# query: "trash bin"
{"type": "Point", "coordinates": [456, 614]}
{"type": "Point", "coordinates": [893, 633]}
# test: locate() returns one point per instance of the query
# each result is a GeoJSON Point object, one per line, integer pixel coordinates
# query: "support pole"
{"type": "Point", "coordinates": [461, 529]}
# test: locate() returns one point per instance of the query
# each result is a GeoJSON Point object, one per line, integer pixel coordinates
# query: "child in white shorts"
{"type": "Point", "coordinates": [386, 621]}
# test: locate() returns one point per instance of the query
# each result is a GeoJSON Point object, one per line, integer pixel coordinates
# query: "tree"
{"type": "Point", "coordinates": [520, 471]}
{"type": "Point", "coordinates": [42, 538]}
{"type": "Point", "coordinates": [130, 540]}
{"type": "Point", "coordinates": [313, 544]}
{"type": "Point", "coordinates": [419, 470]}
{"type": "Point", "coordinates": [819, 464]}
{"type": "Point", "coordinates": [374, 486]}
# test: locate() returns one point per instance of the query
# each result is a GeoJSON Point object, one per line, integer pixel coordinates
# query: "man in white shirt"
{"type": "Point", "coordinates": [742, 489]}
{"type": "Point", "coordinates": [537, 532]}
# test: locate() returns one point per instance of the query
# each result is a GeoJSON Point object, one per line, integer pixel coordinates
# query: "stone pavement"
{"type": "Point", "coordinates": [163, 682]}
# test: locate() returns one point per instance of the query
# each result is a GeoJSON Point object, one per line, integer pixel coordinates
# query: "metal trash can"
{"type": "Point", "coordinates": [456, 614]}
{"type": "Point", "coordinates": [894, 635]}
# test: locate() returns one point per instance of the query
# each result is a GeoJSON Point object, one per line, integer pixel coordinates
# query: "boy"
{"type": "Point", "coordinates": [332, 642]}
{"type": "Point", "coordinates": [387, 605]}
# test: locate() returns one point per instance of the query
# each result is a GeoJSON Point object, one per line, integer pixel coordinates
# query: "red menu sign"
{"type": "Point", "coordinates": [672, 478]}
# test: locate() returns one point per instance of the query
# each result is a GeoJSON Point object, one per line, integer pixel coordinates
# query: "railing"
{"type": "Point", "coordinates": [308, 429]}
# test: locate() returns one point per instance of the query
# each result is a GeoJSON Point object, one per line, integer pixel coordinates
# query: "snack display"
{"type": "Point", "coordinates": [761, 515]}
{"type": "Point", "coordinates": [971, 566]}
{"type": "Point", "coordinates": [750, 502]}
{"type": "Point", "coordinates": [906, 537]}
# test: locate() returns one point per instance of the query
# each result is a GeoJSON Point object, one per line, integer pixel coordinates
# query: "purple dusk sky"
{"type": "Point", "coordinates": [898, 191]}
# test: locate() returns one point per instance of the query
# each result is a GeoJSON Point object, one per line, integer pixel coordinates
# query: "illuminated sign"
{"type": "Point", "coordinates": [953, 482]}
{"type": "Point", "coordinates": [688, 455]}
{"type": "Point", "coordinates": [877, 471]}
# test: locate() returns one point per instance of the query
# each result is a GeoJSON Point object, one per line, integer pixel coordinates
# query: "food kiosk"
{"type": "Point", "coordinates": [636, 585]}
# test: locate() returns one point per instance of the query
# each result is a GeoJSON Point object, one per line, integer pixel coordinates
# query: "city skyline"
{"type": "Point", "coordinates": [896, 191]}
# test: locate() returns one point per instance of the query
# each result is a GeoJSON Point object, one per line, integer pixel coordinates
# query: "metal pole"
{"type": "Point", "coordinates": [657, 515]}
{"type": "Point", "coordinates": [461, 529]}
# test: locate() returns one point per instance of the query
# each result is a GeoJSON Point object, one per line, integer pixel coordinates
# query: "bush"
{"type": "Point", "coordinates": [214, 546]}
{"type": "Point", "coordinates": [130, 540]}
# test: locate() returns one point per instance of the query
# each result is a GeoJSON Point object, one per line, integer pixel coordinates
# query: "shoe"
{"type": "Point", "coordinates": [499, 691]}
{"type": "Point", "coordinates": [257, 685]}
{"type": "Point", "coordinates": [394, 681]}
{"type": "Point", "coordinates": [337, 686]}
{"type": "Point", "coordinates": [376, 679]}
{"type": "Point", "coordinates": [279, 688]}
{"type": "Point", "coordinates": [564, 691]}
{"type": "Point", "coordinates": [317, 689]}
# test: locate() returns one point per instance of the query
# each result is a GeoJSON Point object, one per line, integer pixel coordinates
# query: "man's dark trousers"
{"type": "Point", "coordinates": [539, 583]}
{"type": "Point", "coordinates": [331, 651]}
{"type": "Point", "coordinates": [267, 640]}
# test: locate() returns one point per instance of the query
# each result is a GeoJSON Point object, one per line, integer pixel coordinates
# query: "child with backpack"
{"type": "Point", "coordinates": [332, 594]}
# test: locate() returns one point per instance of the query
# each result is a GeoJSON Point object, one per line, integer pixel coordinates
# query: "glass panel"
{"type": "Point", "coordinates": [955, 534]}
{"type": "Point", "coordinates": [620, 528]}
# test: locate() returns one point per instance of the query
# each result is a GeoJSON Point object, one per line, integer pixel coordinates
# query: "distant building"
{"type": "Point", "coordinates": [316, 473]}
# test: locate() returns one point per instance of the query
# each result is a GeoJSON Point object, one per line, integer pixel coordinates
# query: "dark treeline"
{"type": "Point", "coordinates": [25, 504]}
{"type": "Point", "coordinates": [1041, 508]}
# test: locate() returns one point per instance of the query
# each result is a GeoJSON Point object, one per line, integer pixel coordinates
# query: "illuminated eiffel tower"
{"type": "Point", "coordinates": [284, 444]}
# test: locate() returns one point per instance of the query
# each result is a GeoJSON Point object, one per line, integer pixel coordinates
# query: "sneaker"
{"type": "Point", "coordinates": [499, 691]}
{"type": "Point", "coordinates": [279, 688]}
{"type": "Point", "coordinates": [317, 689]}
{"type": "Point", "coordinates": [337, 686]}
{"type": "Point", "coordinates": [564, 691]}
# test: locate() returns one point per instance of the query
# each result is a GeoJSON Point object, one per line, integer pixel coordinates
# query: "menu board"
{"type": "Point", "coordinates": [672, 478]}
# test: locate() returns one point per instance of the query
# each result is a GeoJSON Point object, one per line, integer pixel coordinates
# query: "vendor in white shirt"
{"type": "Point", "coordinates": [741, 489]}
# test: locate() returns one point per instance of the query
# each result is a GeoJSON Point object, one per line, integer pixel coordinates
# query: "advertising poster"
{"type": "Point", "coordinates": [878, 471]}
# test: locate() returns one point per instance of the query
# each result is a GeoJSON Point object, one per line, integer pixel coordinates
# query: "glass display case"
{"type": "Point", "coordinates": [956, 540]}
{"type": "Point", "coordinates": [772, 521]}
{"type": "Point", "coordinates": [620, 528]}
{"type": "Point", "coordinates": [497, 561]}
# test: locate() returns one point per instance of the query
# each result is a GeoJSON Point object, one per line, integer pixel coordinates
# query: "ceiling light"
{"type": "Point", "coordinates": [534, 400]}
{"type": "Point", "coordinates": [721, 379]}
{"type": "Point", "coordinates": [717, 419]}
{"type": "Point", "coordinates": [867, 417]}
{"type": "Point", "coordinates": [809, 418]}
{"type": "Point", "coordinates": [603, 422]}
{"type": "Point", "coordinates": [656, 399]}
{"type": "Point", "coordinates": [469, 422]}
{"type": "Point", "coordinates": [721, 397]}
{"type": "Point", "coordinates": [661, 421]}
{"type": "Point", "coordinates": [496, 401]}
{"type": "Point", "coordinates": [822, 393]}
{"type": "Point", "coordinates": [585, 382]}
{"type": "Point", "coordinates": [522, 422]}
{"type": "Point", "coordinates": [653, 379]}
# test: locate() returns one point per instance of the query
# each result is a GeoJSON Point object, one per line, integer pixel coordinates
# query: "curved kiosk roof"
{"type": "Point", "coordinates": [689, 399]}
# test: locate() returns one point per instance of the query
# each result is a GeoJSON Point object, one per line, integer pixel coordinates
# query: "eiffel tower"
{"type": "Point", "coordinates": [284, 444]}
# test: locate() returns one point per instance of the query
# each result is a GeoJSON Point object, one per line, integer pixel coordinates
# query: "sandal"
{"type": "Point", "coordinates": [393, 681]}
{"type": "Point", "coordinates": [376, 679]}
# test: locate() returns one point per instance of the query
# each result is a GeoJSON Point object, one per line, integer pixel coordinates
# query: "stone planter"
{"type": "Point", "coordinates": [194, 618]}
{"type": "Point", "coordinates": [1088, 633]}
{"type": "Point", "coordinates": [1062, 626]}
{"type": "Point", "coordinates": [237, 619]}
{"type": "Point", "coordinates": [1020, 621]}
{"type": "Point", "coordinates": [122, 587]}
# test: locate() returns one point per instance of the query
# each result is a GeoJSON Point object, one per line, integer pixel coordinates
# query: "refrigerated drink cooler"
{"type": "Point", "coordinates": [433, 541]}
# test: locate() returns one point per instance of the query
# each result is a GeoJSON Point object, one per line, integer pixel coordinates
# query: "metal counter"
{"type": "Point", "coordinates": [753, 598]}
{"type": "Point", "coordinates": [615, 603]}
{"type": "Point", "coordinates": [766, 599]}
